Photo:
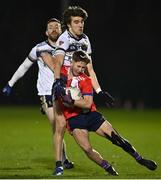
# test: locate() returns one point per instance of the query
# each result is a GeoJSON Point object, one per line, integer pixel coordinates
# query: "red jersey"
{"type": "Point", "coordinates": [83, 82]}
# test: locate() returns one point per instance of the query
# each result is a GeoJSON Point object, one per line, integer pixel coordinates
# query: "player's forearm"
{"type": "Point", "coordinates": [95, 82]}
{"type": "Point", "coordinates": [48, 60]}
{"type": "Point", "coordinates": [93, 77]}
{"type": "Point", "coordinates": [58, 64]}
{"type": "Point", "coordinates": [20, 72]}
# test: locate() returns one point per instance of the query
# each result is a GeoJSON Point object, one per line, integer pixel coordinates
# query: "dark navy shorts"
{"type": "Point", "coordinates": [46, 100]}
{"type": "Point", "coordinates": [90, 121]}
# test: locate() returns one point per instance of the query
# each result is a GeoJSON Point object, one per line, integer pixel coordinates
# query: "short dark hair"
{"type": "Point", "coordinates": [53, 20]}
{"type": "Point", "coordinates": [80, 56]}
{"type": "Point", "coordinates": [73, 11]}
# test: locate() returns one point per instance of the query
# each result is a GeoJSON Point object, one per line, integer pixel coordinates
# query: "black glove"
{"type": "Point", "coordinates": [58, 88]}
{"type": "Point", "coordinates": [67, 99]}
{"type": "Point", "coordinates": [7, 90]}
{"type": "Point", "coordinates": [107, 98]}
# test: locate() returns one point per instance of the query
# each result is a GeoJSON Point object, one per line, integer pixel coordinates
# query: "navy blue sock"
{"type": "Point", "coordinates": [137, 156]}
{"type": "Point", "coordinates": [105, 164]}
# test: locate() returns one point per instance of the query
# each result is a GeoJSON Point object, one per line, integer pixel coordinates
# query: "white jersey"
{"type": "Point", "coordinates": [67, 44]}
{"type": "Point", "coordinates": [45, 75]}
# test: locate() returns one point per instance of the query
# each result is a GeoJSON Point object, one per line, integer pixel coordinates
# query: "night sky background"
{"type": "Point", "coordinates": [125, 38]}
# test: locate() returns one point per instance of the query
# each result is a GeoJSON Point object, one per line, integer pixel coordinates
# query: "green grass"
{"type": "Point", "coordinates": [26, 149]}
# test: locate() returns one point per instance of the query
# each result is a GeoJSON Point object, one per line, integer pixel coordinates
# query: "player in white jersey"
{"type": "Point", "coordinates": [45, 76]}
{"type": "Point", "coordinates": [68, 44]}
{"type": "Point", "coordinates": [73, 39]}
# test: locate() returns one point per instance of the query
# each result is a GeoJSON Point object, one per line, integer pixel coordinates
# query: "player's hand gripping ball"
{"type": "Point", "coordinates": [75, 93]}
{"type": "Point", "coordinates": [71, 94]}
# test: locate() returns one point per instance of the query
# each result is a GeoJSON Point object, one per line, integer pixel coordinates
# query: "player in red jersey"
{"type": "Point", "coordinates": [82, 116]}
{"type": "Point", "coordinates": [80, 81]}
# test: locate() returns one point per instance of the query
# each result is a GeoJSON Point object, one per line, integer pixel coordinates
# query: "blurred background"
{"type": "Point", "coordinates": [125, 38]}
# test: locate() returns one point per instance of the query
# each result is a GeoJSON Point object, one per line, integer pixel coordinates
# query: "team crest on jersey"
{"type": "Point", "coordinates": [84, 47]}
{"type": "Point", "coordinates": [61, 42]}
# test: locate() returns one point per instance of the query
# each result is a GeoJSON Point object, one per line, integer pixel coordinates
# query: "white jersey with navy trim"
{"type": "Point", "coordinates": [67, 44]}
{"type": "Point", "coordinates": [45, 75]}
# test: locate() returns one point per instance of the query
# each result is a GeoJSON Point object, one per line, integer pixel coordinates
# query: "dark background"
{"type": "Point", "coordinates": [125, 38]}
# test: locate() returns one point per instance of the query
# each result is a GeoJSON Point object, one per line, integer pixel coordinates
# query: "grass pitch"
{"type": "Point", "coordinates": [26, 149]}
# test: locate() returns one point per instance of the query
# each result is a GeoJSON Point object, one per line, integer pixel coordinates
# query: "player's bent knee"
{"type": "Point", "coordinates": [60, 125]}
{"type": "Point", "coordinates": [60, 131]}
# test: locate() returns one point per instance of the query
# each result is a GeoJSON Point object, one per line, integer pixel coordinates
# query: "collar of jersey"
{"type": "Point", "coordinates": [76, 38]}
{"type": "Point", "coordinates": [50, 44]}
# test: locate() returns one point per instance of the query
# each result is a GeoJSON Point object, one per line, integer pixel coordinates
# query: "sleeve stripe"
{"type": "Point", "coordinates": [57, 49]}
{"type": "Point", "coordinates": [87, 94]}
{"type": "Point", "coordinates": [31, 59]}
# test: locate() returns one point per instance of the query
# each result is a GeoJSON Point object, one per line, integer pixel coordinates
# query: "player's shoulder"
{"type": "Point", "coordinates": [40, 45]}
{"type": "Point", "coordinates": [84, 36]}
{"type": "Point", "coordinates": [84, 81]}
{"type": "Point", "coordinates": [84, 77]}
{"type": "Point", "coordinates": [64, 35]}
{"type": "Point", "coordinates": [36, 46]}
{"type": "Point", "coordinates": [63, 38]}
{"type": "Point", "coordinates": [43, 43]}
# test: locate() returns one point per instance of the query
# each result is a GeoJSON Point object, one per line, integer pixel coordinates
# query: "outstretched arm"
{"type": "Point", "coordinates": [16, 76]}
{"type": "Point", "coordinates": [22, 69]}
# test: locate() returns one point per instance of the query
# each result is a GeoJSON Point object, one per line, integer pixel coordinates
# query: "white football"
{"type": "Point", "coordinates": [75, 93]}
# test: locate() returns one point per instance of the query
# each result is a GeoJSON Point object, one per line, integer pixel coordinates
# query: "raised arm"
{"type": "Point", "coordinates": [22, 69]}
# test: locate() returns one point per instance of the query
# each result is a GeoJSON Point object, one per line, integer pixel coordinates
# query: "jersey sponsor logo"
{"type": "Point", "coordinates": [77, 46]}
